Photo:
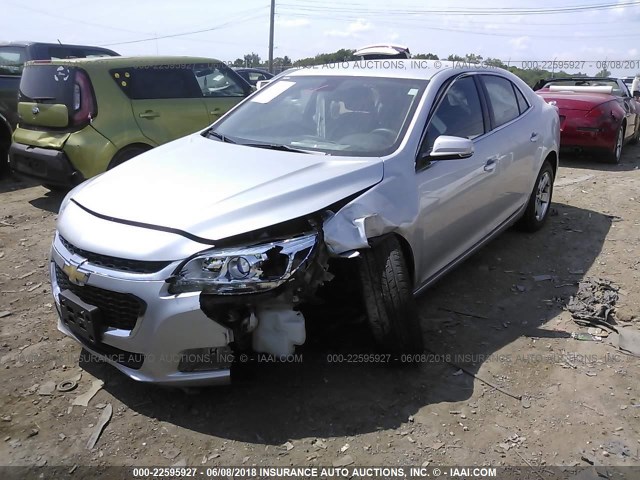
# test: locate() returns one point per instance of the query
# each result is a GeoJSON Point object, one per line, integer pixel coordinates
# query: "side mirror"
{"type": "Point", "coordinates": [451, 148]}
{"type": "Point", "coordinates": [261, 83]}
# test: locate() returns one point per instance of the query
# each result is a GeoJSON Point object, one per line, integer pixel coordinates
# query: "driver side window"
{"type": "Point", "coordinates": [459, 114]}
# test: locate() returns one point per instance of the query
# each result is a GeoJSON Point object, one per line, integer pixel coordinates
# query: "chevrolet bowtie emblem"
{"type": "Point", "coordinates": [75, 276]}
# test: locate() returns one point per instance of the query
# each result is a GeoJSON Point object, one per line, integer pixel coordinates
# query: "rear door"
{"type": "Point", "coordinates": [516, 136]}
{"type": "Point", "coordinates": [166, 100]}
{"type": "Point", "coordinates": [221, 88]}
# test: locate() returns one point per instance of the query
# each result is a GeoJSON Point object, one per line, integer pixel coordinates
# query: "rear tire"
{"type": "Point", "coordinates": [388, 296]}
{"type": "Point", "coordinates": [125, 154]}
{"type": "Point", "coordinates": [615, 155]}
{"type": "Point", "coordinates": [537, 210]}
{"type": "Point", "coordinates": [4, 160]}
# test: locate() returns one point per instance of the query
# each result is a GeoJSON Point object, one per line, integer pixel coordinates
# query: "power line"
{"type": "Point", "coordinates": [501, 33]}
{"type": "Point", "coordinates": [460, 11]}
{"type": "Point", "coordinates": [193, 32]}
{"type": "Point", "coordinates": [72, 19]}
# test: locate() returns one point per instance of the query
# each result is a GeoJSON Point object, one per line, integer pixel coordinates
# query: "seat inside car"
{"type": "Point", "coordinates": [353, 110]}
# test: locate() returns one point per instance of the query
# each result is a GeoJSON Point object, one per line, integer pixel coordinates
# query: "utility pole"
{"type": "Point", "coordinates": [271, 22]}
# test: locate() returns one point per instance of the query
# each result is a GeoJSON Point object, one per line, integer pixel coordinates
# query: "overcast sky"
{"type": "Point", "coordinates": [307, 27]}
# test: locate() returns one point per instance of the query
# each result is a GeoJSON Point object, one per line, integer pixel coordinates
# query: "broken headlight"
{"type": "Point", "coordinates": [247, 269]}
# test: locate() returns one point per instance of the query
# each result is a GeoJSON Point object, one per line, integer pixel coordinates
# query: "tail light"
{"type": "Point", "coordinates": [84, 105]}
{"type": "Point", "coordinates": [599, 112]}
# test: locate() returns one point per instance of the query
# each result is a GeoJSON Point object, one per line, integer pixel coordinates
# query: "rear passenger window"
{"type": "Point", "coordinates": [502, 99]}
{"type": "Point", "coordinates": [157, 82]}
{"type": "Point", "coordinates": [522, 102]}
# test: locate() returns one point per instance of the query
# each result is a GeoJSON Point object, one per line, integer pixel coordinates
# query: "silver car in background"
{"type": "Point", "coordinates": [368, 181]}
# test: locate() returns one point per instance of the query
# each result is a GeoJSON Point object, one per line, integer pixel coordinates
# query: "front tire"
{"type": "Point", "coordinates": [388, 297]}
{"type": "Point", "coordinates": [539, 204]}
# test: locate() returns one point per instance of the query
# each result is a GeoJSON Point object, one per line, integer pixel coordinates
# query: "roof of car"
{"type": "Point", "coordinates": [251, 69]}
{"type": "Point", "coordinates": [119, 62]}
{"type": "Point", "coordinates": [394, 68]}
{"type": "Point", "coordinates": [27, 43]}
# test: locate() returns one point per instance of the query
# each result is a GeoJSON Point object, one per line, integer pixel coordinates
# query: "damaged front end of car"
{"type": "Point", "coordinates": [256, 287]}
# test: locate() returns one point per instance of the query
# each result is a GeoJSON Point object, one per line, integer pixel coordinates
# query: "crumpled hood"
{"type": "Point", "coordinates": [215, 190]}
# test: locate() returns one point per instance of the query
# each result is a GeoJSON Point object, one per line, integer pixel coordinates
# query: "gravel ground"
{"type": "Point", "coordinates": [544, 398]}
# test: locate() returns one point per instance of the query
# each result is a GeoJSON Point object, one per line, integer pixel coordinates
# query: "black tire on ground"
{"type": "Point", "coordinates": [539, 204]}
{"type": "Point", "coordinates": [4, 160]}
{"type": "Point", "coordinates": [388, 298]}
{"type": "Point", "coordinates": [125, 154]}
{"type": "Point", "coordinates": [614, 155]}
{"type": "Point", "coordinates": [56, 188]}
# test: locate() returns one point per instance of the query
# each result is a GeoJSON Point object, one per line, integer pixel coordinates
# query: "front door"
{"type": "Point", "coordinates": [456, 196]}
{"type": "Point", "coordinates": [221, 88]}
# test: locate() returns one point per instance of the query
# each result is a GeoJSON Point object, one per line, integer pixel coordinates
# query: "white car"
{"type": "Point", "coordinates": [327, 185]}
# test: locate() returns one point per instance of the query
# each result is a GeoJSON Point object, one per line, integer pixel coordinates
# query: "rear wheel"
{"type": "Point", "coordinates": [125, 154]}
{"type": "Point", "coordinates": [388, 298]}
{"type": "Point", "coordinates": [615, 155]}
{"type": "Point", "coordinates": [4, 159]}
{"type": "Point", "coordinates": [539, 204]}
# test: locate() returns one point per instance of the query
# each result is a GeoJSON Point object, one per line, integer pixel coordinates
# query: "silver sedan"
{"type": "Point", "coordinates": [367, 180]}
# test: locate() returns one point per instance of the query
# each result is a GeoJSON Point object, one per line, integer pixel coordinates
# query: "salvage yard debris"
{"type": "Point", "coordinates": [83, 400]}
{"type": "Point", "coordinates": [594, 303]}
{"type": "Point", "coordinates": [102, 422]}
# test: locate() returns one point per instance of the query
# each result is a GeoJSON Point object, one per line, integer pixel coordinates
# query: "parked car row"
{"type": "Point", "coordinates": [335, 186]}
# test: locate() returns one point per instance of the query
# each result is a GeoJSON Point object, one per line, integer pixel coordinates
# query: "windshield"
{"type": "Point", "coordinates": [350, 116]}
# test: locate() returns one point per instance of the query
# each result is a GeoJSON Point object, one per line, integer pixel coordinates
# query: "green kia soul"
{"type": "Point", "coordinates": [80, 117]}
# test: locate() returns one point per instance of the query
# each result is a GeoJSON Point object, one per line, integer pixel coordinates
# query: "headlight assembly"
{"type": "Point", "coordinates": [247, 269]}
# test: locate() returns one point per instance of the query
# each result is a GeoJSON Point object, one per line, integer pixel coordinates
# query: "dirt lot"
{"type": "Point", "coordinates": [581, 399]}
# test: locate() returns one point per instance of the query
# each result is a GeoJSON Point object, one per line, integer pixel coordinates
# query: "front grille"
{"type": "Point", "coordinates": [118, 310]}
{"type": "Point", "coordinates": [115, 263]}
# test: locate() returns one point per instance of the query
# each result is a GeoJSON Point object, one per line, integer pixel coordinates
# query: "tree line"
{"type": "Point", "coordinates": [530, 76]}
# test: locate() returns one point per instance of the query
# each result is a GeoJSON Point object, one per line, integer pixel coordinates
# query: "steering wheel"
{"type": "Point", "coordinates": [385, 131]}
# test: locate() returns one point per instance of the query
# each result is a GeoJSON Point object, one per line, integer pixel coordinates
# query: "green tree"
{"type": "Point", "coordinates": [425, 56]}
{"type": "Point", "coordinates": [603, 73]}
{"type": "Point", "coordinates": [342, 55]}
{"type": "Point", "coordinates": [252, 60]}
{"type": "Point", "coordinates": [238, 62]}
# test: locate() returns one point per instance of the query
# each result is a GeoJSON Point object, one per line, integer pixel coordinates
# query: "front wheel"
{"type": "Point", "coordinates": [539, 203]}
{"type": "Point", "coordinates": [388, 297]}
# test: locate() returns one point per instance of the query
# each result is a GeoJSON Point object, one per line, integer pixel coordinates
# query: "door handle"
{"type": "Point", "coordinates": [149, 114]}
{"type": "Point", "coordinates": [534, 136]}
{"type": "Point", "coordinates": [215, 111]}
{"type": "Point", "coordinates": [491, 165]}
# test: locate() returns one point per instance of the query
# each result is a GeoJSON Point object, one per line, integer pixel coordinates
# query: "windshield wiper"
{"type": "Point", "coordinates": [219, 136]}
{"type": "Point", "coordinates": [277, 146]}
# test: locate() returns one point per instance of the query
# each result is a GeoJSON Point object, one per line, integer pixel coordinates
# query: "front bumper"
{"type": "Point", "coordinates": [46, 165]}
{"type": "Point", "coordinates": [149, 346]}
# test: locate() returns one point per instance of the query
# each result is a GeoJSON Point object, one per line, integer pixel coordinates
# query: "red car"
{"type": "Point", "coordinates": [595, 113]}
